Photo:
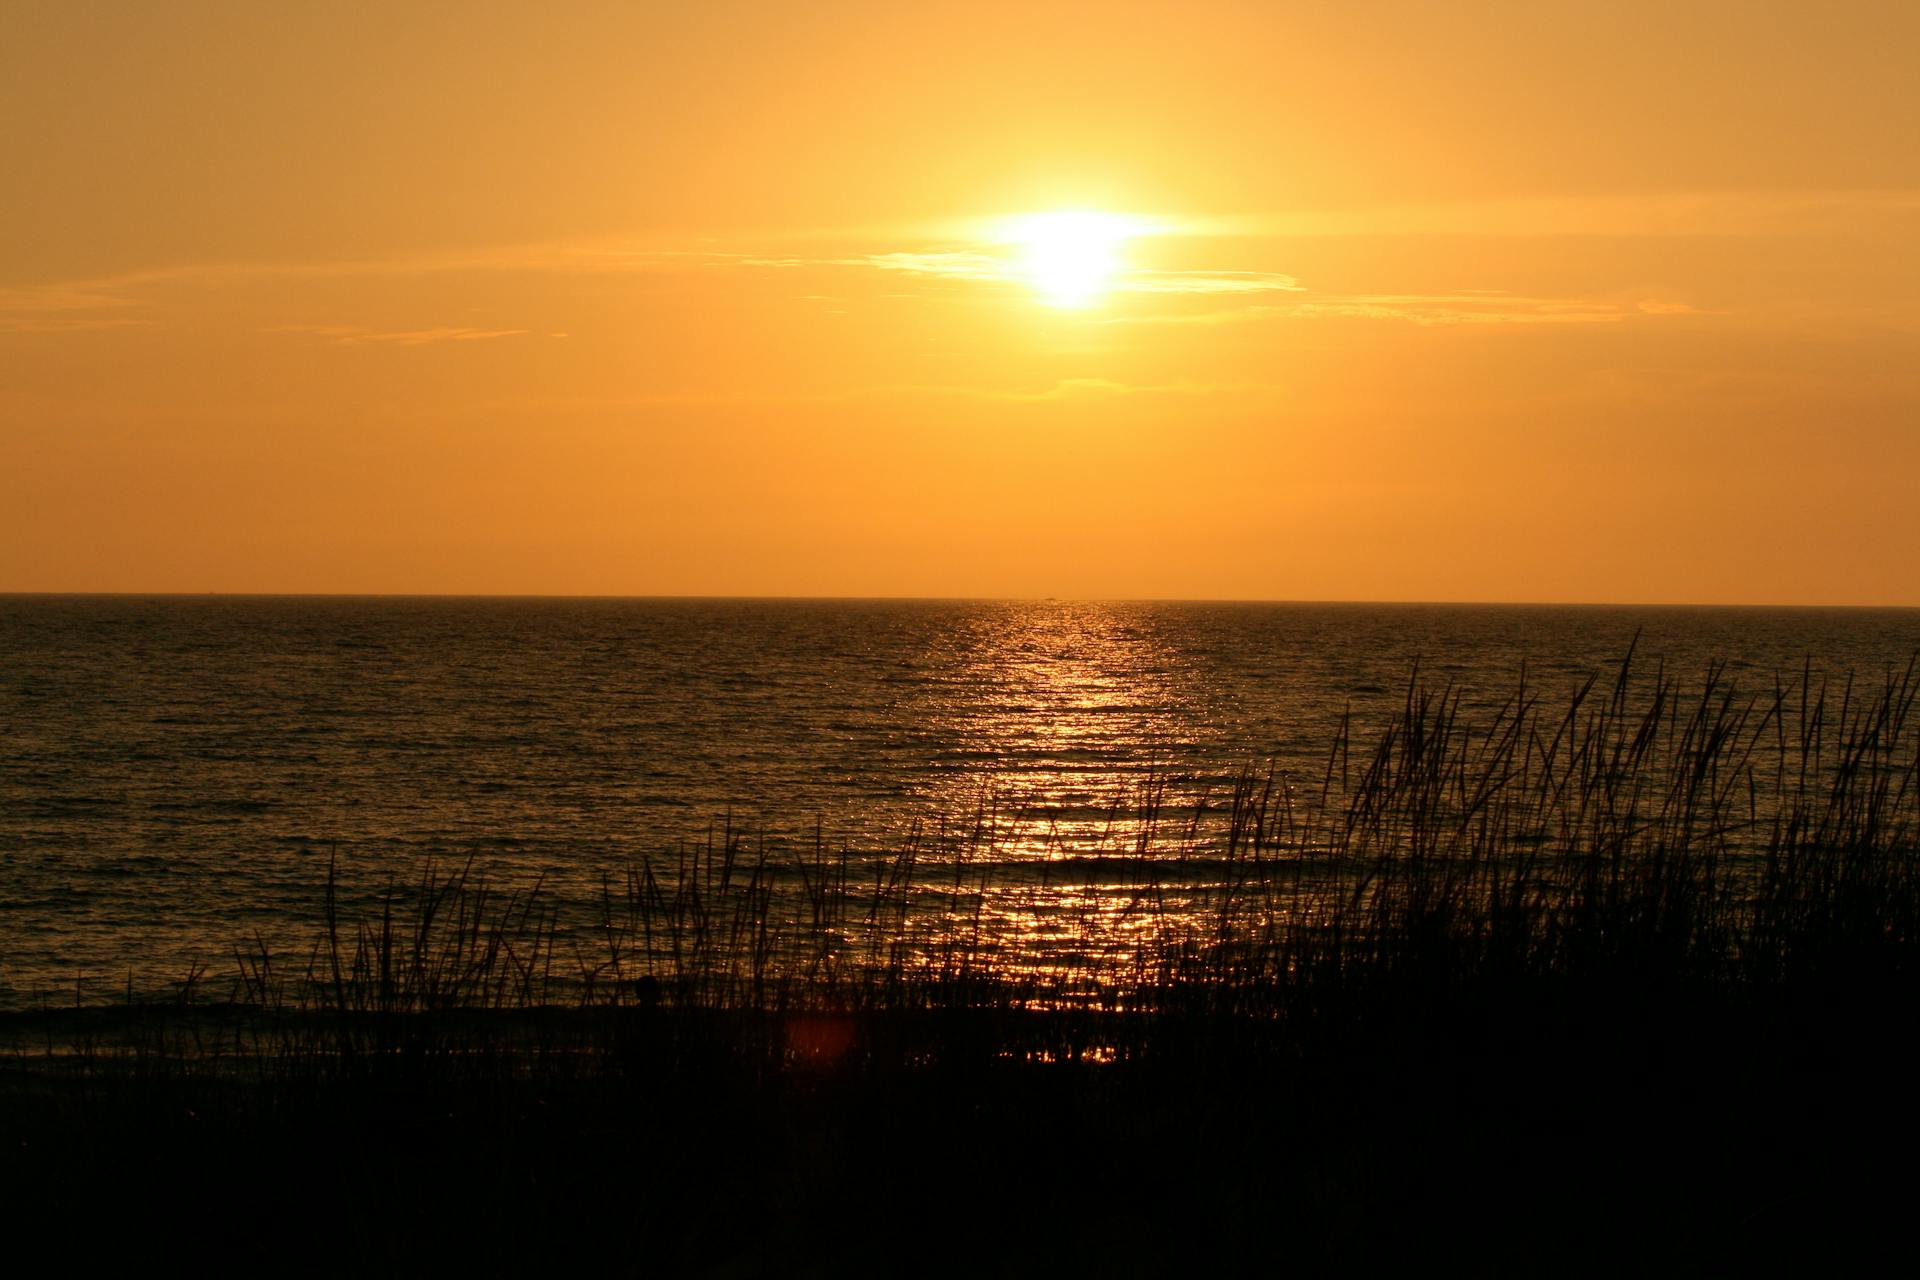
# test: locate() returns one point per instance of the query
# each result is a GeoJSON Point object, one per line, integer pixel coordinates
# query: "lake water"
{"type": "Point", "coordinates": [175, 772]}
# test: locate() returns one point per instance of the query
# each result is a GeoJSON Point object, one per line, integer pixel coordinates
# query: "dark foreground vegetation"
{"type": "Point", "coordinates": [1626, 983]}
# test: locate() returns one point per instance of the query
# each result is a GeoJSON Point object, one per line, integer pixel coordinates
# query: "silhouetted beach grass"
{"type": "Point", "coordinates": [1616, 978]}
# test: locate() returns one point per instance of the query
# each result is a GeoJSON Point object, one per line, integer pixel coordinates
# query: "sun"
{"type": "Point", "coordinates": [1071, 257]}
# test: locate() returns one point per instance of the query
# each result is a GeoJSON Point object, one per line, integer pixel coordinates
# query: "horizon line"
{"type": "Point", "coordinates": [944, 599]}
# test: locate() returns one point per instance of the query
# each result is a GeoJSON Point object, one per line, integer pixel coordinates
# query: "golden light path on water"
{"type": "Point", "coordinates": [1058, 861]}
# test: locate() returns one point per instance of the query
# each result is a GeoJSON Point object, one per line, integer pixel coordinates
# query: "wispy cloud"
{"type": "Point", "coordinates": [354, 335]}
{"type": "Point", "coordinates": [1486, 307]}
{"type": "Point", "coordinates": [61, 296]}
{"type": "Point", "coordinates": [31, 323]}
{"type": "Point", "coordinates": [1068, 389]}
{"type": "Point", "coordinates": [978, 265]}
{"type": "Point", "coordinates": [1219, 315]}
{"type": "Point", "coordinates": [149, 287]}
{"type": "Point", "coordinates": [1464, 307]}
{"type": "Point", "coordinates": [1667, 213]}
{"type": "Point", "coordinates": [1204, 282]}
{"type": "Point", "coordinates": [1065, 389]}
{"type": "Point", "coordinates": [960, 264]}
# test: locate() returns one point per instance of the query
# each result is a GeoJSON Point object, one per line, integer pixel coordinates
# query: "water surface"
{"type": "Point", "coordinates": [175, 772]}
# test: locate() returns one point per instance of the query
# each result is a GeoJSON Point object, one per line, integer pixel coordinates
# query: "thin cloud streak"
{"type": "Point", "coordinates": [137, 288]}
{"type": "Point", "coordinates": [991, 268]}
{"type": "Point", "coordinates": [1205, 282]}
{"type": "Point", "coordinates": [55, 324]}
{"type": "Point", "coordinates": [1464, 307]}
{"type": "Point", "coordinates": [1074, 389]}
{"type": "Point", "coordinates": [1732, 214]}
{"type": "Point", "coordinates": [1487, 308]}
{"type": "Point", "coordinates": [1066, 389]}
{"type": "Point", "coordinates": [354, 335]}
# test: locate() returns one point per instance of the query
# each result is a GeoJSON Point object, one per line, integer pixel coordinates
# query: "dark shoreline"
{"type": "Point", "coordinates": [1503, 1130]}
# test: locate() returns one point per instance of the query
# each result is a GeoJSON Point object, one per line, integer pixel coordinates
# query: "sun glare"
{"type": "Point", "coordinates": [1071, 257]}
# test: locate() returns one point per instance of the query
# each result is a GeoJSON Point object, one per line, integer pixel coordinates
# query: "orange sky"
{"type": "Point", "coordinates": [1483, 301]}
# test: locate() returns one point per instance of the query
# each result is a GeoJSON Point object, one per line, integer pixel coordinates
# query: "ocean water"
{"type": "Point", "coordinates": [176, 773]}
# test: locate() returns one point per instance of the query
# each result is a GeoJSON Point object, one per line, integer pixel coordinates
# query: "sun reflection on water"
{"type": "Point", "coordinates": [1052, 705]}
{"type": "Point", "coordinates": [1062, 845]}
